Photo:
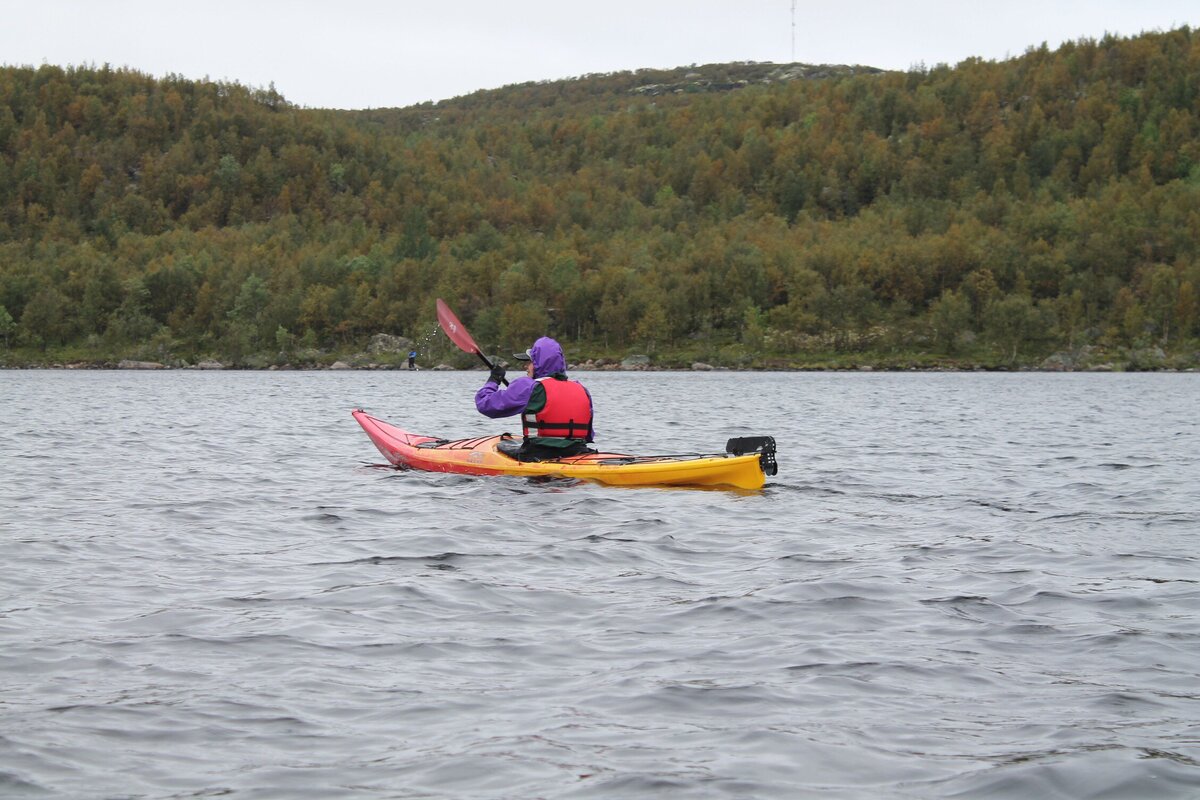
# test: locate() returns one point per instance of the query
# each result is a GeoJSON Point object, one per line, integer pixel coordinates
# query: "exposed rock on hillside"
{"type": "Point", "coordinates": [755, 74]}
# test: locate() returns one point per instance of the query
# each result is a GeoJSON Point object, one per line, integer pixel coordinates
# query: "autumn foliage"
{"type": "Point", "coordinates": [1043, 203]}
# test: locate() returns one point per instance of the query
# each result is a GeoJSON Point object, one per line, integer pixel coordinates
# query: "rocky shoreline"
{"type": "Point", "coordinates": [588, 366]}
{"type": "Point", "coordinates": [387, 352]}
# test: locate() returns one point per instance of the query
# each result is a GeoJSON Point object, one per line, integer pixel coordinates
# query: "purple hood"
{"type": "Point", "coordinates": [548, 358]}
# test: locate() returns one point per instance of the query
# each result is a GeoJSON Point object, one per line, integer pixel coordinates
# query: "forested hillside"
{"type": "Point", "coordinates": [748, 215]}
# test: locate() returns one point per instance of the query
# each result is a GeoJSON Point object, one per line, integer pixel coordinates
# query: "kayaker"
{"type": "Point", "coordinates": [556, 412]}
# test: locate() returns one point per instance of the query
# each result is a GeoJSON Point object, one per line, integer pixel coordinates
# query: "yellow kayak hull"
{"type": "Point", "coordinates": [481, 457]}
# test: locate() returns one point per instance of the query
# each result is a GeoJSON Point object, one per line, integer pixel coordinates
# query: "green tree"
{"type": "Point", "coordinates": [102, 294]}
{"type": "Point", "coordinates": [229, 174]}
{"type": "Point", "coordinates": [652, 326]}
{"type": "Point", "coordinates": [169, 288]}
{"type": "Point", "coordinates": [845, 310]}
{"type": "Point", "coordinates": [1162, 300]}
{"type": "Point", "coordinates": [7, 325]}
{"type": "Point", "coordinates": [1186, 308]}
{"type": "Point", "coordinates": [130, 322]}
{"type": "Point", "coordinates": [1129, 316]}
{"type": "Point", "coordinates": [981, 289]}
{"type": "Point", "coordinates": [316, 310]}
{"type": "Point", "coordinates": [949, 319]}
{"type": "Point", "coordinates": [753, 333]}
{"type": "Point", "coordinates": [1011, 323]}
{"type": "Point", "coordinates": [523, 322]}
{"type": "Point", "coordinates": [44, 320]}
{"type": "Point", "coordinates": [1070, 313]}
{"type": "Point", "coordinates": [248, 308]}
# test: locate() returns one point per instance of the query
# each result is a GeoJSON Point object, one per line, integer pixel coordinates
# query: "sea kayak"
{"type": "Point", "coordinates": [745, 463]}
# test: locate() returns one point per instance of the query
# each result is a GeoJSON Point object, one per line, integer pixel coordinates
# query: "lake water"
{"type": "Point", "coordinates": [958, 585]}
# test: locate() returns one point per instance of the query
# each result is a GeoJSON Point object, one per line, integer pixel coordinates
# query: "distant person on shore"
{"type": "Point", "coordinates": [556, 412]}
{"type": "Point", "coordinates": [412, 359]}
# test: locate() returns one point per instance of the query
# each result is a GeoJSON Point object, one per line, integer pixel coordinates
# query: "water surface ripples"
{"type": "Point", "coordinates": [959, 585]}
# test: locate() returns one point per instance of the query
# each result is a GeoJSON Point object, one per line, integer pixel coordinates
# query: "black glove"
{"type": "Point", "coordinates": [497, 375]}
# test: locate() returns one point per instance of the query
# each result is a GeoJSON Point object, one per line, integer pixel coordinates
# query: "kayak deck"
{"type": "Point", "coordinates": [480, 456]}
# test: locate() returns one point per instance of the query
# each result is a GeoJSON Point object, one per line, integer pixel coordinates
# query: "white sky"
{"type": "Point", "coordinates": [372, 53]}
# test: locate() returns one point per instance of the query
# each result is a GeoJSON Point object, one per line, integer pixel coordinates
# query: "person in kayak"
{"type": "Point", "coordinates": [556, 412]}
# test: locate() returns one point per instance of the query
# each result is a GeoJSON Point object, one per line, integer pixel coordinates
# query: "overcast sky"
{"type": "Point", "coordinates": [371, 53]}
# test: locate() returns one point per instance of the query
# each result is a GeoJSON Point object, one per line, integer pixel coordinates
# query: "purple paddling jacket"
{"type": "Point", "coordinates": [548, 359]}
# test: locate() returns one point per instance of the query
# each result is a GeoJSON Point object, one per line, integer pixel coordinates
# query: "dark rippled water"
{"type": "Point", "coordinates": [967, 585]}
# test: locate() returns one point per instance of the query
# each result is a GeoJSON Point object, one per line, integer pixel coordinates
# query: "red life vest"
{"type": "Point", "coordinates": [566, 415]}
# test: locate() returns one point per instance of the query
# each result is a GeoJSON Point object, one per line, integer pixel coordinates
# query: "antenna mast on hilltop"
{"type": "Point", "coordinates": [793, 31]}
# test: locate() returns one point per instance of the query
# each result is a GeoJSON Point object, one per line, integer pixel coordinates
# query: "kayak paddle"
{"type": "Point", "coordinates": [459, 334]}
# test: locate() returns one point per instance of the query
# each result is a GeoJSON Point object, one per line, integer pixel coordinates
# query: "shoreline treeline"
{"type": "Point", "coordinates": [996, 211]}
